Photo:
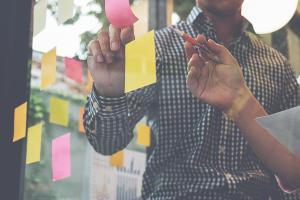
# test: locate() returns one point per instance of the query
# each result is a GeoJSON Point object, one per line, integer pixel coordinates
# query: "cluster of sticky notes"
{"type": "Point", "coordinates": [140, 62]}
{"type": "Point", "coordinates": [65, 12]}
{"type": "Point", "coordinates": [61, 159]}
{"type": "Point", "coordinates": [143, 135]}
{"type": "Point", "coordinates": [119, 13]}
{"type": "Point", "coordinates": [59, 111]}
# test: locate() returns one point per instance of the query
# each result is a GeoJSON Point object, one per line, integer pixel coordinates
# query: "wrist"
{"type": "Point", "coordinates": [241, 101]}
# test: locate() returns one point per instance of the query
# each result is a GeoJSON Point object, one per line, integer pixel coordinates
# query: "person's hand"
{"type": "Point", "coordinates": [106, 60]}
{"type": "Point", "coordinates": [219, 84]}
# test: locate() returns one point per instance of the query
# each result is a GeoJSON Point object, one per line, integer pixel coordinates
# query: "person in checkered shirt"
{"type": "Point", "coordinates": [207, 144]}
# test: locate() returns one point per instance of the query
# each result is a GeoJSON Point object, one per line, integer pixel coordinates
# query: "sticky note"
{"type": "Point", "coordinates": [140, 62]}
{"type": "Point", "coordinates": [20, 121]}
{"type": "Point", "coordinates": [119, 13]}
{"type": "Point", "coordinates": [65, 10]}
{"type": "Point", "coordinates": [33, 149]}
{"type": "Point", "coordinates": [39, 16]}
{"type": "Point", "coordinates": [81, 127]}
{"type": "Point", "coordinates": [89, 84]}
{"type": "Point", "coordinates": [59, 111]}
{"type": "Point", "coordinates": [143, 135]}
{"type": "Point", "coordinates": [73, 69]}
{"type": "Point", "coordinates": [61, 158]}
{"type": "Point", "coordinates": [48, 69]}
{"type": "Point", "coordinates": [117, 159]}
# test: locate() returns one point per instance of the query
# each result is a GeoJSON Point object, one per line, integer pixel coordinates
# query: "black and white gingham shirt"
{"type": "Point", "coordinates": [199, 153]}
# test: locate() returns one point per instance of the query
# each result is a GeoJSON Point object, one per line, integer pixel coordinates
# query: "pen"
{"type": "Point", "coordinates": [202, 48]}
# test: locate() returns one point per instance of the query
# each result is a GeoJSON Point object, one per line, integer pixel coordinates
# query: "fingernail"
{"type": "Point", "coordinates": [114, 46]}
{"type": "Point", "coordinates": [99, 58]}
{"type": "Point", "coordinates": [109, 58]}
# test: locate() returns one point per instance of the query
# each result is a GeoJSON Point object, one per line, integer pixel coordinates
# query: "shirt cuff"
{"type": "Point", "coordinates": [285, 188]}
{"type": "Point", "coordinates": [108, 106]}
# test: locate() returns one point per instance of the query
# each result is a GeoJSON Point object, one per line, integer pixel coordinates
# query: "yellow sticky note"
{"type": "Point", "coordinates": [59, 111]}
{"type": "Point", "coordinates": [48, 69]}
{"type": "Point", "coordinates": [39, 16]}
{"type": "Point", "coordinates": [140, 62]}
{"type": "Point", "coordinates": [143, 135]}
{"type": "Point", "coordinates": [81, 127]}
{"type": "Point", "coordinates": [65, 10]}
{"type": "Point", "coordinates": [117, 159]}
{"type": "Point", "coordinates": [20, 121]}
{"type": "Point", "coordinates": [34, 137]}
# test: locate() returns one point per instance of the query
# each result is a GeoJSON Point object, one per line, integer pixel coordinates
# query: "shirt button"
{"type": "Point", "coordinates": [95, 104]}
{"type": "Point", "coordinates": [222, 149]}
{"type": "Point", "coordinates": [94, 131]}
{"type": "Point", "coordinates": [108, 109]}
{"type": "Point", "coordinates": [228, 176]}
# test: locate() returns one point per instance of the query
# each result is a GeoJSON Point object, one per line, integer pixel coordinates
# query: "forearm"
{"type": "Point", "coordinates": [274, 155]}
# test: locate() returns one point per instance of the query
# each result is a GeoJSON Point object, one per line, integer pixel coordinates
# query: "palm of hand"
{"type": "Point", "coordinates": [218, 83]}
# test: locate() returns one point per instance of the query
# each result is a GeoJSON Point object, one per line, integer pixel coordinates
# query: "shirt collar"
{"type": "Point", "coordinates": [196, 16]}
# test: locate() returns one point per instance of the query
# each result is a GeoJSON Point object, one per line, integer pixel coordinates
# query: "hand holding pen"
{"type": "Point", "coordinates": [216, 83]}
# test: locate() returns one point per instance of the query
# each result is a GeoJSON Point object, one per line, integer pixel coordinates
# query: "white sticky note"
{"type": "Point", "coordinates": [65, 10]}
{"type": "Point", "coordinates": [39, 16]}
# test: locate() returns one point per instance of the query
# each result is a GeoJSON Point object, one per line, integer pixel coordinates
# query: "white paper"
{"type": "Point", "coordinates": [65, 10]}
{"type": "Point", "coordinates": [39, 17]}
{"type": "Point", "coordinates": [285, 127]}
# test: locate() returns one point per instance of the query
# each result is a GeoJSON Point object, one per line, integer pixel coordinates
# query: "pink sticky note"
{"type": "Point", "coordinates": [73, 69]}
{"type": "Point", "coordinates": [119, 13]}
{"type": "Point", "coordinates": [61, 161]}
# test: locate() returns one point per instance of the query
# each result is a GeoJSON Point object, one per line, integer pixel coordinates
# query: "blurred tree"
{"type": "Point", "coordinates": [183, 8]}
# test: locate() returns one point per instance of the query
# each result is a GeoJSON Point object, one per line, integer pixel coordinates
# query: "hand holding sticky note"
{"type": "Point", "coordinates": [119, 13]}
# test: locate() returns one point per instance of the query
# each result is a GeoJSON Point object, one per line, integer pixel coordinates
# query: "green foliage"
{"type": "Point", "coordinates": [183, 8]}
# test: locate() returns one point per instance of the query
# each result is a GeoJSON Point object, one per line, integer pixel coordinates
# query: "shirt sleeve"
{"type": "Point", "coordinates": [290, 90]}
{"type": "Point", "coordinates": [109, 122]}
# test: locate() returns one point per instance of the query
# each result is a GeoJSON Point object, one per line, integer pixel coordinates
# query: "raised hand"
{"type": "Point", "coordinates": [106, 60]}
{"type": "Point", "coordinates": [218, 84]}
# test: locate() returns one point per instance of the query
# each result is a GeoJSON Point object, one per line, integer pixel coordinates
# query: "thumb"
{"type": "Point", "coordinates": [127, 35]}
{"type": "Point", "coordinates": [222, 52]}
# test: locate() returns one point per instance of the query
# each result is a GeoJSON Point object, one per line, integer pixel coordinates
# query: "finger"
{"type": "Point", "coordinates": [114, 35]}
{"type": "Point", "coordinates": [196, 61]}
{"type": "Point", "coordinates": [189, 50]}
{"type": "Point", "coordinates": [105, 46]}
{"type": "Point", "coordinates": [221, 51]}
{"type": "Point", "coordinates": [192, 80]}
{"type": "Point", "coordinates": [201, 39]}
{"type": "Point", "coordinates": [127, 35]}
{"type": "Point", "coordinates": [95, 50]}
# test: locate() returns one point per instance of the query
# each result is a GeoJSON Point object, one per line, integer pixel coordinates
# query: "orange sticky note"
{"type": "Point", "coordinates": [89, 84]}
{"type": "Point", "coordinates": [117, 159]}
{"type": "Point", "coordinates": [20, 119]}
{"type": "Point", "coordinates": [34, 137]}
{"type": "Point", "coordinates": [59, 111]}
{"type": "Point", "coordinates": [143, 135]}
{"type": "Point", "coordinates": [81, 127]}
{"type": "Point", "coordinates": [48, 69]}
